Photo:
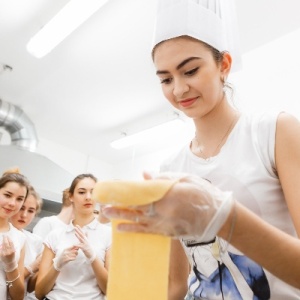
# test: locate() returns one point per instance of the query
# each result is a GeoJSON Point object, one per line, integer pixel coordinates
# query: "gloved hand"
{"type": "Point", "coordinates": [7, 254]}
{"type": "Point", "coordinates": [192, 209]}
{"type": "Point", "coordinates": [68, 254]}
{"type": "Point", "coordinates": [35, 265]}
{"type": "Point", "coordinates": [84, 244]}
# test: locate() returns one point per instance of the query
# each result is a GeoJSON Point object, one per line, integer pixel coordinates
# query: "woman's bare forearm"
{"type": "Point", "coordinates": [273, 249]}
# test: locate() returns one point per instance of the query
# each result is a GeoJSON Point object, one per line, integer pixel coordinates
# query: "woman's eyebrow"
{"type": "Point", "coordinates": [186, 61]}
{"type": "Point", "coordinates": [183, 63]}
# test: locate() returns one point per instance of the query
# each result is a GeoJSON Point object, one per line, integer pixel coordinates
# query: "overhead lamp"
{"type": "Point", "coordinates": [71, 16]}
{"type": "Point", "coordinates": [151, 134]}
{"type": "Point", "coordinates": [5, 67]}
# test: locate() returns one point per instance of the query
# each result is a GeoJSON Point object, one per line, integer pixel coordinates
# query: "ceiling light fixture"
{"type": "Point", "coordinates": [5, 67]}
{"type": "Point", "coordinates": [71, 16]}
{"type": "Point", "coordinates": [148, 135]}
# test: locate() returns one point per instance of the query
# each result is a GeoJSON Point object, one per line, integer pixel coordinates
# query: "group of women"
{"type": "Point", "coordinates": [49, 269]}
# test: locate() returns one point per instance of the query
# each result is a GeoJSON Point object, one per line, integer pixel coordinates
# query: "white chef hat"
{"type": "Point", "coordinates": [211, 21]}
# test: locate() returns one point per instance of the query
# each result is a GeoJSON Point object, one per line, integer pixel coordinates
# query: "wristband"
{"type": "Point", "coordinates": [93, 257]}
{"type": "Point", "coordinates": [11, 266]}
{"type": "Point", "coordinates": [212, 228]}
{"type": "Point", "coordinates": [55, 266]}
{"type": "Point", "coordinates": [29, 269]}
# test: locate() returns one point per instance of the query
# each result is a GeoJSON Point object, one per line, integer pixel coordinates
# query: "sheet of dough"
{"type": "Point", "coordinates": [139, 265]}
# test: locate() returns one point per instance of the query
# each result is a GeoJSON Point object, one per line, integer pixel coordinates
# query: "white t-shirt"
{"type": "Point", "coordinates": [76, 279]}
{"type": "Point", "coordinates": [18, 238]}
{"type": "Point", "coordinates": [46, 225]}
{"type": "Point", "coordinates": [245, 166]}
{"type": "Point", "coordinates": [33, 247]}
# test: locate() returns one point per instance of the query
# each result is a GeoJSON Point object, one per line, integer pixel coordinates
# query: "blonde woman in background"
{"type": "Point", "coordinates": [34, 244]}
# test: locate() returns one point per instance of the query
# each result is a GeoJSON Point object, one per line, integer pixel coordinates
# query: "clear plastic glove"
{"type": "Point", "coordinates": [68, 254]}
{"type": "Point", "coordinates": [84, 244]}
{"type": "Point", "coordinates": [34, 267]}
{"type": "Point", "coordinates": [36, 263]}
{"type": "Point", "coordinates": [192, 209]}
{"type": "Point", "coordinates": [7, 254]}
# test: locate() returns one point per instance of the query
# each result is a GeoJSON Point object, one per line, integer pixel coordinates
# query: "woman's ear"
{"type": "Point", "coordinates": [226, 64]}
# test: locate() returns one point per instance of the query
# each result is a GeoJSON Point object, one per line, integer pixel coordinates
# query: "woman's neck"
{"type": "Point", "coordinates": [66, 214]}
{"type": "Point", "coordinates": [212, 130]}
{"type": "Point", "coordinates": [4, 225]}
{"type": "Point", "coordinates": [83, 220]}
{"type": "Point", "coordinates": [212, 124]}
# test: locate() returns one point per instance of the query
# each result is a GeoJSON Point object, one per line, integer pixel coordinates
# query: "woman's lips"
{"type": "Point", "coordinates": [7, 210]}
{"type": "Point", "coordinates": [188, 102]}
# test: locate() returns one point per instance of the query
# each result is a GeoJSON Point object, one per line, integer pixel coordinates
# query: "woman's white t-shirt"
{"type": "Point", "coordinates": [18, 239]}
{"type": "Point", "coordinates": [46, 225]}
{"type": "Point", "coordinates": [76, 279]}
{"type": "Point", "coordinates": [246, 166]}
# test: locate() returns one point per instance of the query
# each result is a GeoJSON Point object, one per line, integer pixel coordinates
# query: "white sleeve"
{"type": "Point", "coordinates": [42, 228]}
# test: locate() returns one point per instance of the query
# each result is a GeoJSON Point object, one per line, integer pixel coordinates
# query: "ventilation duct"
{"type": "Point", "coordinates": [48, 178]}
{"type": "Point", "coordinates": [17, 124]}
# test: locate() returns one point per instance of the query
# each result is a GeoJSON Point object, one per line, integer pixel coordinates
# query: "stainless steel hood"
{"type": "Point", "coordinates": [48, 178]}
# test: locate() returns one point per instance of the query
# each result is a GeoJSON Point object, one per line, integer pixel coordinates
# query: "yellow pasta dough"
{"type": "Point", "coordinates": [139, 264]}
{"type": "Point", "coordinates": [129, 193]}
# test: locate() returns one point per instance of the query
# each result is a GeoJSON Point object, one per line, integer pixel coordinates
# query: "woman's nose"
{"type": "Point", "coordinates": [180, 88]}
{"type": "Point", "coordinates": [23, 213]}
{"type": "Point", "coordinates": [12, 202]}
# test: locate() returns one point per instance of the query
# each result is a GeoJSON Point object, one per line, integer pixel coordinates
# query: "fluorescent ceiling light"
{"type": "Point", "coordinates": [72, 15]}
{"type": "Point", "coordinates": [148, 135]}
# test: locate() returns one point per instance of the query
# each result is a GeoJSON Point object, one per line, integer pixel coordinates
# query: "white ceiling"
{"type": "Point", "coordinates": [100, 80]}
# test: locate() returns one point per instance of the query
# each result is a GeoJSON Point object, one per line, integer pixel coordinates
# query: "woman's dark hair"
{"type": "Point", "coordinates": [217, 55]}
{"type": "Point", "coordinates": [79, 178]}
{"type": "Point", "coordinates": [15, 177]}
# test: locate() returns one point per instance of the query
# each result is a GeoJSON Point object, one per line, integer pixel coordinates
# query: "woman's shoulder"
{"type": "Point", "coordinates": [55, 237]}
{"type": "Point", "coordinates": [105, 232]}
{"type": "Point", "coordinates": [288, 121]}
{"type": "Point", "coordinates": [32, 237]}
{"type": "Point", "coordinates": [16, 234]}
{"type": "Point", "coordinates": [13, 230]}
{"type": "Point", "coordinates": [260, 118]}
{"type": "Point", "coordinates": [104, 227]}
{"type": "Point", "coordinates": [261, 125]}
